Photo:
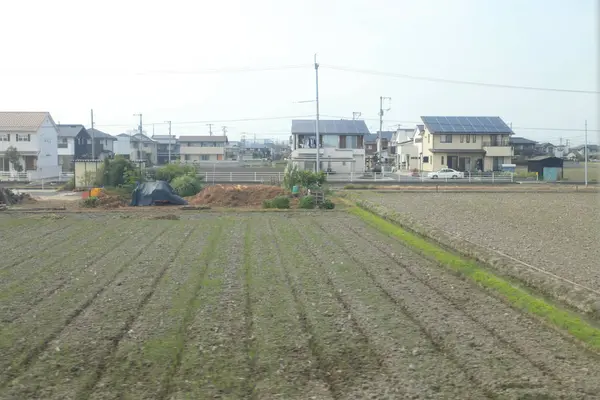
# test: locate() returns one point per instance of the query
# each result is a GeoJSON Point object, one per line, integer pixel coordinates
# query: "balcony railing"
{"type": "Point", "coordinates": [497, 143]}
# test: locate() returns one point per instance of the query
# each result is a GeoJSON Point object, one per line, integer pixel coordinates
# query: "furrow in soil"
{"type": "Point", "coordinates": [415, 365]}
{"type": "Point", "coordinates": [215, 362]}
{"type": "Point", "coordinates": [284, 367]}
{"type": "Point", "coordinates": [148, 355]}
{"type": "Point", "coordinates": [506, 352]}
{"type": "Point", "coordinates": [350, 364]}
{"type": "Point", "coordinates": [41, 281]}
{"type": "Point", "coordinates": [50, 243]}
{"type": "Point", "coordinates": [74, 360]}
{"type": "Point", "coordinates": [43, 323]}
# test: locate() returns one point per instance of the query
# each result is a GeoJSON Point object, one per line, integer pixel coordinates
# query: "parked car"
{"type": "Point", "coordinates": [446, 173]}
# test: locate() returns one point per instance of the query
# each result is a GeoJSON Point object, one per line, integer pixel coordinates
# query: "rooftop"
{"type": "Point", "coordinates": [330, 127]}
{"type": "Point", "coordinates": [22, 121]}
{"type": "Point", "coordinates": [69, 131]}
{"type": "Point", "coordinates": [471, 125]}
{"type": "Point", "coordinates": [96, 134]}
{"type": "Point", "coordinates": [521, 140]}
{"type": "Point", "coordinates": [203, 138]}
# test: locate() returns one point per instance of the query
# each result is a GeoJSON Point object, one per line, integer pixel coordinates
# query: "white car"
{"type": "Point", "coordinates": [446, 173]}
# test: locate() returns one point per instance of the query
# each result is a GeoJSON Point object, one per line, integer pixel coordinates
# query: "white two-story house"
{"type": "Point", "coordinates": [465, 143]}
{"type": "Point", "coordinates": [341, 147]}
{"type": "Point", "coordinates": [34, 135]}
{"type": "Point", "coordinates": [197, 149]}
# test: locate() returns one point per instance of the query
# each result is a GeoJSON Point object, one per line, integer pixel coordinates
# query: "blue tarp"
{"type": "Point", "coordinates": [155, 193]}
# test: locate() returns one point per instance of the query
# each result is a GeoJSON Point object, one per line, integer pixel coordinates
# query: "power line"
{"type": "Point", "coordinates": [224, 70]}
{"type": "Point", "coordinates": [214, 121]}
{"type": "Point", "coordinates": [455, 81]}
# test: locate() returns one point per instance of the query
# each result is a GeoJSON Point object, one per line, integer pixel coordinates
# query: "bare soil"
{"type": "Point", "coordinates": [236, 195]}
{"type": "Point", "coordinates": [264, 306]}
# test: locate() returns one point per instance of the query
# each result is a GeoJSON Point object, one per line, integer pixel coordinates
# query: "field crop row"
{"type": "Point", "coordinates": [265, 306]}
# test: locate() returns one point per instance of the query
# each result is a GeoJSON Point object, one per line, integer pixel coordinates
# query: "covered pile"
{"type": "Point", "coordinates": [8, 197]}
{"type": "Point", "coordinates": [236, 195]}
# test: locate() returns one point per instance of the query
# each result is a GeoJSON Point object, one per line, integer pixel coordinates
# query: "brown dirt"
{"type": "Point", "coordinates": [236, 195]}
{"type": "Point", "coordinates": [112, 201]}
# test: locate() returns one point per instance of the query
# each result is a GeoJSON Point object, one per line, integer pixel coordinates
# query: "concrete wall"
{"type": "Point", "coordinates": [85, 167]}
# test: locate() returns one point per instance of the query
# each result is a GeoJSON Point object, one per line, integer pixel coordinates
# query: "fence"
{"type": "Point", "coordinates": [13, 176]}
{"type": "Point", "coordinates": [388, 177]}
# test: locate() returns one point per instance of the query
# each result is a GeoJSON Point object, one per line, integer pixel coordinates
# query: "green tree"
{"type": "Point", "coordinates": [14, 157]}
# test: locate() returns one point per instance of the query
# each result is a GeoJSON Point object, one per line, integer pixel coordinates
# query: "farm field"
{"type": "Point", "coordinates": [554, 231]}
{"type": "Point", "coordinates": [259, 305]}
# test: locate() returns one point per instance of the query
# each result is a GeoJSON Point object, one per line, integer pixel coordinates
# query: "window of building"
{"type": "Point", "coordinates": [330, 140]}
{"type": "Point", "coordinates": [352, 142]}
{"type": "Point", "coordinates": [428, 138]}
{"type": "Point", "coordinates": [462, 138]}
{"type": "Point", "coordinates": [474, 138]}
{"type": "Point", "coordinates": [205, 157]}
{"type": "Point", "coordinates": [425, 160]}
{"type": "Point", "coordinates": [187, 157]}
{"type": "Point", "coordinates": [468, 138]}
{"type": "Point", "coordinates": [23, 138]}
{"type": "Point", "coordinates": [446, 139]}
{"type": "Point", "coordinates": [5, 137]}
{"type": "Point", "coordinates": [442, 160]}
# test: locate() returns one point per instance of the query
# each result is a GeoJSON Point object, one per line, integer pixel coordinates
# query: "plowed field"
{"type": "Point", "coordinates": [258, 306]}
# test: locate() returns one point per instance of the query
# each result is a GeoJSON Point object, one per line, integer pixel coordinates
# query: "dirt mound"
{"type": "Point", "coordinates": [9, 197]}
{"type": "Point", "coordinates": [112, 201]}
{"type": "Point", "coordinates": [235, 195]}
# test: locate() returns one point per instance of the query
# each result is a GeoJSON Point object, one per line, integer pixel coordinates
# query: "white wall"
{"type": "Point", "coordinates": [69, 150]}
{"type": "Point", "coordinates": [122, 146]}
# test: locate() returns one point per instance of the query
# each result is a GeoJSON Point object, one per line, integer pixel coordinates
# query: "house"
{"type": "Point", "coordinates": [409, 148]}
{"type": "Point", "coordinates": [137, 147]}
{"type": "Point", "coordinates": [194, 149]}
{"type": "Point", "coordinates": [103, 144]}
{"type": "Point", "coordinates": [545, 148]}
{"type": "Point", "coordinates": [165, 145]}
{"type": "Point", "coordinates": [465, 143]}
{"type": "Point", "coordinates": [523, 147]}
{"type": "Point", "coordinates": [575, 155]}
{"type": "Point", "coordinates": [341, 147]}
{"type": "Point", "coordinates": [386, 145]}
{"type": "Point", "coordinates": [34, 135]}
{"type": "Point", "coordinates": [74, 143]}
{"type": "Point", "coordinates": [592, 150]}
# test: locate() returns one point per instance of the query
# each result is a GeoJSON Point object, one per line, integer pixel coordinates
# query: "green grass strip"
{"type": "Point", "coordinates": [519, 298]}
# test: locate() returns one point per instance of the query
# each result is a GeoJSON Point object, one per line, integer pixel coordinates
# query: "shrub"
{"type": "Point", "coordinates": [307, 202]}
{"type": "Point", "coordinates": [117, 172]}
{"type": "Point", "coordinates": [186, 185]}
{"type": "Point", "coordinates": [292, 177]}
{"type": "Point", "coordinates": [90, 202]}
{"type": "Point", "coordinates": [280, 202]}
{"type": "Point", "coordinates": [267, 204]}
{"type": "Point", "coordinates": [69, 185]}
{"type": "Point", "coordinates": [327, 205]}
{"type": "Point", "coordinates": [170, 172]}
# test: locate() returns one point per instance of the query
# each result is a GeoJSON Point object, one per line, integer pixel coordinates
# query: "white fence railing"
{"type": "Point", "coordinates": [13, 176]}
{"type": "Point", "coordinates": [267, 177]}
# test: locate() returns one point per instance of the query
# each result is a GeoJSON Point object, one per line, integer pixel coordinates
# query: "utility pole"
{"type": "Point", "coordinates": [210, 128]}
{"type": "Point", "coordinates": [381, 99]}
{"type": "Point", "coordinates": [93, 135]}
{"type": "Point", "coordinates": [356, 115]}
{"type": "Point", "coordinates": [585, 155]}
{"type": "Point", "coordinates": [224, 129]}
{"type": "Point", "coordinates": [140, 129]}
{"type": "Point", "coordinates": [169, 122]}
{"type": "Point", "coordinates": [318, 136]}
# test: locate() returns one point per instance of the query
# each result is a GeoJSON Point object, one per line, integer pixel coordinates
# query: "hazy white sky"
{"type": "Point", "coordinates": [129, 56]}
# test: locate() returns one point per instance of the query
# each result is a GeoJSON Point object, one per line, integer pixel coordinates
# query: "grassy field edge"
{"type": "Point", "coordinates": [519, 298]}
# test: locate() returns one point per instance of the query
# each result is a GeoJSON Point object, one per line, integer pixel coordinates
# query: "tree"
{"type": "Point", "coordinates": [14, 157]}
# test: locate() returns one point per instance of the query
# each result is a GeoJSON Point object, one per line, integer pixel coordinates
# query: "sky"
{"type": "Point", "coordinates": [248, 65]}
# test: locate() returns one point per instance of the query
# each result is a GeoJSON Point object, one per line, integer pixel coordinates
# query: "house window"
{"type": "Point", "coordinates": [352, 142]}
{"type": "Point", "coordinates": [5, 137]}
{"type": "Point", "coordinates": [205, 157]}
{"type": "Point", "coordinates": [462, 140]}
{"type": "Point", "coordinates": [442, 160]}
{"type": "Point", "coordinates": [344, 163]}
{"type": "Point", "coordinates": [468, 138]}
{"type": "Point", "coordinates": [330, 140]}
{"type": "Point", "coordinates": [446, 139]}
{"type": "Point", "coordinates": [23, 138]}
{"type": "Point", "coordinates": [187, 157]}
{"type": "Point", "coordinates": [474, 139]}
{"type": "Point", "coordinates": [425, 160]}
{"type": "Point", "coordinates": [428, 138]}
